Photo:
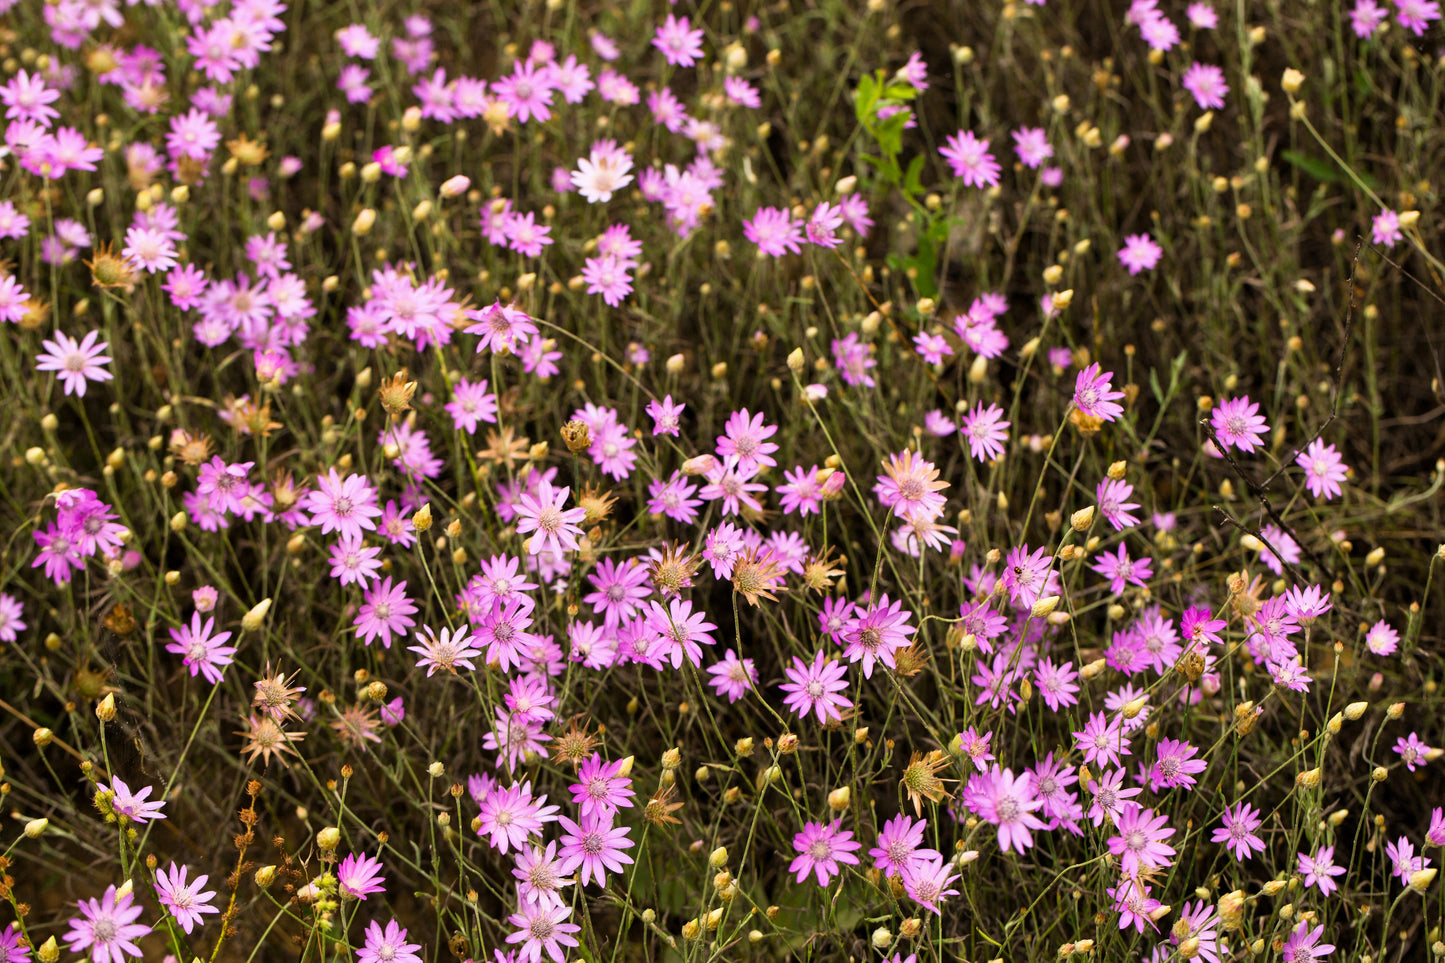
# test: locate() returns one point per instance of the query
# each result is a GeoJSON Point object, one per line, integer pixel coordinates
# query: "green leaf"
{"type": "Point", "coordinates": [890, 134]}
{"type": "Point", "coordinates": [865, 103]}
{"type": "Point", "coordinates": [1316, 167]}
{"type": "Point", "coordinates": [900, 92]}
{"type": "Point", "coordinates": [912, 182]}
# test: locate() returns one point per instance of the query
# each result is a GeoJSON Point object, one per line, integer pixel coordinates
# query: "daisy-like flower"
{"type": "Point", "coordinates": [341, 506]}
{"type": "Point", "coordinates": [1381, 639]}
{"type": "Point", "coordinates": [1031, 145]}
{"type": "Point", "coordinates": [1134, 904]}
{"type": "Point", "coordinates": [386, 611]}
{"type": "Point", "coordinates": [149, 250]}
{"type": "Point", "coordinates": [107, 928]}
{"type": "Point", "coordinates": [1202, 16]}
{"type": "Point", "coordinates": [1140, 253]}
{"type": "Point", "coordinates": [1175, 765]}
{"type": "Point", "coordinates": [601, 787]}
{"type": "Point", "coordinates": [926, 881]}
{"type": "Point", "coordinates": [1102, 740]}
{"type": "Point", "coordinates": [1385, 229]}
{"type": "Point", "coordinates": [1324, 469]}
{"type": "Point", "coordinates": [503, 328]}
{"type": "Point", "coordinates": [1238, 424]}
{"type": "Point", "coordinates": [1319, 870]}
{"type": "Point", "coordinates": [986, 431]}
{"type": "Point", "coordinates": [666, 416]}
{"type": "Point", "coordinates": [1412, 751]}
{"type": "Point", "coordinates": [1304, 944]}
{"type": "Point", "coordinates": [823, 849]}
{"type": "Point", "coordinates": [595, 846]}
{"type": "Point", "coordinates": [1056, 684]}
{"type": "Point", "coordinates": [203, 652]}
{"type": "Point", "coordinates": [1112, 497]}
{"type": "Point", "coordinates": [1417, 15]}
{"type": "Point", "coordinates": [472, 403]}
{"type": "Point", "coordinates": [1206, 83]}
{"type": "Point", "coordinates": [733, 677]}
{"type": "Point", "coordinates": [11, 949]}
{"type": "Point", "coordinates": [970, 160]}
{"type": "Point", "coordinates": [876, 633]}
{"type": "Point", "coordinates": [900, 845]}
{"type": "Point", "coordinates": [823, 225]}
{"type": "Point", "coordinates": [445, 651]}
{"type": "Point", "coordinates": [745, 438]}
{"type": "Point", "coordinates": [816, 688]}
{"type": "Point", "coordinates": [1110, 797]}
{"type": "Point", "coordinates": [13, 299]}
{"type": "Point", "coordinates": [1121, 570]}
{"type": "Point", "coordinates": [681, 45]}
{"type": "Point", "coordinates": [1366, 18]}
{"type": "Point", "coordinates": [542, 929]}
{"type": "Point", "coordinates": [134, 805]}
{"type": "Point", "coordinates": [10, 612]}
{"type": "Point", "coordinates": [774, 231]}
{"type": "Point", "coordinates": [352, 562]}
{"type": "Point", "coordinates": [602, 172]}
{"type": "Point", "coordinates": [509, 816]}
{"type": "Point", "coordinates": [556, 528]}
{"type": "Point", "coordinates": [539, 875]}
{"type": "Point", "coordinates": [1000, 799]}
{"type": "Point", "coordinates": [1093, 396]}
{"type": "Point", "coordinates": [1238, 831]}
{"type": "Point", "coordinates": [387, 945]}
{"type": "Point", "coordinates": [77, 363]}
{"type": "Point", "coordinates": [1140, 843]}
{"type": "Point", "coordinates": [359, 876]}
{"type": "Point", "coordinates": [184, 900]}
{"type": "Point", "coordinates": [910, 486]}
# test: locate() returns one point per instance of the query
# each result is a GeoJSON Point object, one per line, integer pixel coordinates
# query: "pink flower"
{"type": "Point", "coordinates": [1324, 469]}
{"type": "Point", "coordinates": [1093, 396]}
{"type": "Point", "coordinates": [184, 900]}
{"type": "Point", "coordinates": [900, 845]}
{"type": "Point", "coordinates": [1386, 228]}
{"type": "Point", "coordinates": [1417, 15]}
{"type": "Point", "coordinates": [1366, 17]}
{"type": "Point", "coordinates": [1140, 253]}
{"type": "Point", "coordinates": [526, 91]}
{"type": "Point", "coordinates": [1304, 945]}
{"type": "Point", "coordinates": [204, 653]}
{"type": "Point", "coordinates": [1238, 831]}
{"type": "Point", "coordinates": [556, 528]}
{"type": "Point", "coordinates": [823, 849]}
{"type": "Point", "coordinates": [816, 688]}
{"type": "Point", "coordinates": [341, 506]}
{"type": "Point", "coordinates": [1319, 869]}
{"type": "Point", "coordinates": [1008, 803]}
{"type": "Point", "coordinates": [595, 846]}
{"type": "Point", "coordinates": [986, 431]}
{"type": "Point", "coordinates": [1381, 639]}
{"type": "Point", "coordinates": [76, 363]}
{"type": "Point", "coordinates": [1031, 145]}
{"type": "Point", "coordinates": [602, 172]}
{"type": "Point", "coordinates": [445, 651]}
{"type": "Point", "coordinates": [386, 611]}
{"type": "Point", "coordinates": [107, 927]}
{"type": "Point", "coordinates": [542, 928]}
{"type": "Point", "coordinates": [1412, 751]}
{"type": "Point", "coordinates": [1140, 842]}
{"type": "Point", "coordinates": [876, 633]}
{"type": "Point", "coordinates": [1206, 83]}
{"type": "Point", "coordinates": [387, 945]}
{"type": "Point", "coordinates": [774, 231]}
{"type": "Point", "coordinates": [970, 160]}
{"type": "Point", "coordinates": [1238, 424]}
{"type": "Point", "coordinates": [681, 45]}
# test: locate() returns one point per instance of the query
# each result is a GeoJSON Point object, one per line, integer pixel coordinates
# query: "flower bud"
{"type": "Point", "coordinates": [105, 711]}
{"type": "Point", "coordinates": [265, 875]}
{"type": "Point", "coordinates": [36, 827]}
{"type": "Point", "coordinates": [328, 838]}
{"type": "Point", "coordinates": [839, 799]}
{"type": "Point", "coordinates": [1082, 519]}
{"type": "Point", "coordinates": [421, 520]}
{"type": "Point", "coordinates": [1421, 879]}
{"type": "Point", "coordinates": [1308, 779]}
{"type": "Point", "coordinates": [49, 951]}
{"type": "Point", "coordinates": [252, 620]}
{"type": "Point", "coordinates": [455, 186]}
{"type": "Point", "coordinates": [1044, 606]}
{"type": "Point", "coordinates": [1354, 710]}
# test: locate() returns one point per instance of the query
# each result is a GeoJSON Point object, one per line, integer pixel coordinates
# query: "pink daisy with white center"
{"type": "Point", "coordinates": [76, 363]}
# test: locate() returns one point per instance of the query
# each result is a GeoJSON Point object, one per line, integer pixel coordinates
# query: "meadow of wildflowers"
{"type": "Point", "coordinates": [953, 481]}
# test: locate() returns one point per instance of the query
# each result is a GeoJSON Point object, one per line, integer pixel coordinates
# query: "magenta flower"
{"type": "Point", "coordinates": [774, 231]}
{"type": "Point", "coordinates": [360, 876]}
{"type": "Point", "coordinates": [1008, 803]}
{"type": "Point", "coordinates": [900, 845]}
{"type": "Point", "coordinates": [387, 945]}
{"type": "Point", "coordinates": [1238, 424]}
{"type": "Point", "coordinates": [203, 652]}
{"type": "Point", "coordinates": [10, 612]}
{"type": "Point", "coordinates": [1056, 684]}
{"type": "Point", "coordinates": [107, 927]}
{"type": "Point", "coordinates": [542, 928]}
{"type": "Point", "coordinates": [681, 45]}
{"type": "Point", "coordinates": [601, 788]}
{"type": "Point", "coordinates": [1385, 229]}
{"type": "Point", "coordinates": [595, 846]}
{"type": "Point", "coordinates": [1382, 639]}
{"type": "Point", "coordinates": [1031, 145]}
{"type": "Point", "coordinates": [1417, 15]}
{"type": "Point", "coordinates": [1202, 16]}
{"type": "Point", "coordinates": [445, 651]}
{"type": "Point", "coordinates": [815, 688]}
{"type": "Point", "coordinates": [926, 881]}
{"type": "Point", "coordinates": [666, 416]}
{"type": "Point", "coordinates": [876, 633]}
{"type": "Point", "coordinates": [1110, 797]}
{"type": "Point", "coordinates": [1319, 870]}
{"type": "Point", "coordinates": [13, 300]}
{"type": "Point", "coordinates": [1304, 944]}
{"type": "Point", "coordinates": [134, 806]}
{"type": "Point", "coordinates": [1324, 469]}
{"type": "Point", "coordinates": [1140, 842]}
{"type": "Point", "coordinates": [352, 562]}
{"type": "Point", "coordinates": [346, 506]}
{"type": "Point", "coordinates": [509, 816]}
{"type": "Point", "coordinates": [1238, 832]}
{"type": "Point", "coordinates": [822, 850]}
{"type": "Point", "coordinates": [1093, 396]}
{"type": "Point", "coordinates": [1412, 751]}
{"type": "Point", "coordinates": [733, 677]}
{"type": "Point", "coordinates": [386, 610]}
{"type": "Point", "coordinates": [1121, 570]}
{"type": "Point", "coordinates": [526, 92]}
{"type": "Point", "coordinates": [1140, 253]}
{"type": "Point", "coordinates": [1112, 498]}
{"type": "Point", "coordinates": [1134, 904]}
{"type": "Point", "coordinates": [745, 438]}
{"type": "Point", "coordinates": [1206, 83]}
{"type": "Point", "coordinates": [75, 362]}
{"type": "Point", "coordinates": [27, 98]}
{"type": "Point", "coordinates": [970, 160]}
{"type": "Point", "coordinates": [1175, 765]}
{"type": "Point", "coordinates": [986, 431]}
{"type": "Point", "coordinates": [472, 403]}
{"type": "Point", "coordinates": [184, 900]}
{"type": "Point", "coordinates": [556, 528]}
{"type": "Point", "coordinates": [1366, 18]}
{"type": "Point", "coordinates": [1102, 741]}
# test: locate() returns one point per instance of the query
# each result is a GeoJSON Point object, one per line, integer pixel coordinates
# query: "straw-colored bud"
{"type": "Point", "coordinates": [1273, 887]}
{"type": "Point", "coordinates": [35, 828]}
{"type": "Point", "coordinates": [1308, 779]}
{"type": "Point", "coordinates": [1396, 710]}
{"type": "Point", "coordinates": [1292, 80]}
{"type": "Point", "coordinates": [328, 838]}
{"type": "Point", "coordinates": [421, 521]}
{"type": "Point", "coordinates": [1380, 774]}
{"type": "Point", "coordinates": [455, 186]}
{"type": "Point", "coordinates": [625, 769]}
{"type": "Point", "coordinates": [1354, 710]}
{"type": "Point", "coordinates": [744, 746]}
{"type": "Point", "coordinates": [1376, 556]}
{"type": "Point", "coordinates": [178, 522]}
{"type": "Point", "coordinates": [364, 221]}
{"type": "Point", "coordinates": [1082, 519]}
{"type": "Point", "coordinates": [839, 799]}
{"type": "Point", "coordinates": [1409, 219]}
{"type": "Point", "coordinates": [436, 770]}
{"type": "Point", "coordinates": [105, 710]}
{"type": "Point", "coordinates": [1093, 669]}
{"type": "Point", "coordinates": [1421, 879]}
{"type": "Point", "coordinates": [1132, 709]}
{"type": "Point", "coordinates": [252, 620]}
{"type": "Point", "coordinates": [882, 938]}
{"type": "Point", "coordinates": [698, 465]}
{"type": "Point", "coordinates": [264, 876]}
{"type": "Point", "coordinates": [795, 361]}
{"type": "Point", "coordinates": [718, 858]}
{"type": "Point", "coordinates": [43, 737]}
{"type": "Point", "coordinates": [49, 951]}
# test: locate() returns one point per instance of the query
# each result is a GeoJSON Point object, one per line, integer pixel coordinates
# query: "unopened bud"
{"type": "Point", "coordinates": [328, 838]}
{"type": "Point", "coordinates": [1082, 519]}
{"type": "Point", "coordinates": [105, 711]}
{"type": "Point", "coordinates": [36, 827]}
{"type": "Point", "coordinates": [839, 799]}
{"type": "Point", "coordinates": [265, 875]}
{"type": "Point", "coordinates": [421, 521]}
{"type": "Point", "coordinates": [252, 620]}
